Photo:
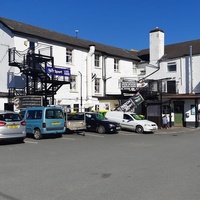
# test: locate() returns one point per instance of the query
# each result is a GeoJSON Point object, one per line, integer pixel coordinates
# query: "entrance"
{"type": "Point", "coordinates": [179, 113]}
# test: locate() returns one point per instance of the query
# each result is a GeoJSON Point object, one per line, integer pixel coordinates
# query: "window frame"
{"type": "Point", "coordinates": [116, 65]}
{"type": "Point", "coordinates": [73, 88]}
{"type": "Point", "coordinates": [97, 85]}
{"type": "Point", "coordinates": [134, 68]}
{"type": "Point", "coordinates": [171, 67]}
{"type": "Point", "coordinates": [76, 107]}
{"type": "Point", "coordinates": [97, 60]}
{"type": "Point", "coordinates": [69, 55]}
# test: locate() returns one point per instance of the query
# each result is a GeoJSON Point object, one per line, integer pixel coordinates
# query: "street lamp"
{"type": "Point", "coordinates": [81, 91]}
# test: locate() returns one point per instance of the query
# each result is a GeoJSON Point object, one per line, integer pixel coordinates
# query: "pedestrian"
{"type": "Point", "coordinates": [165, 121]}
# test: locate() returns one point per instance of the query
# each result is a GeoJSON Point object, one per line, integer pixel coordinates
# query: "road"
{"type": "Point", "coordinates": [124, 166]}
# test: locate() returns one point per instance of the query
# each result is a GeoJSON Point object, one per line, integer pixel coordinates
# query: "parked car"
{"type": "Point", "coordinates": [12, 127]}
{"type": "Point", "coordinates": [131, 121]}
{"type": "Point", "coordinates": [75, 122]}
{"type": "Point", "coordinates": [96, 122]}
{"type": "Point", "coordinates": [42, 121]}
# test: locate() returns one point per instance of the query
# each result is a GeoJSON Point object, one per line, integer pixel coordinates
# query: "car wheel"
{"type": "Point", "coordinates": [37, 134]}
{"type": "Point", "coordinates": [139, 129]}
{"type": "Point", "coordinates": [101, 129]}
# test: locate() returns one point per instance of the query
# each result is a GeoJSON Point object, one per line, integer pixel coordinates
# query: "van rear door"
{"type": "Point", "coordinates": [54, 120]}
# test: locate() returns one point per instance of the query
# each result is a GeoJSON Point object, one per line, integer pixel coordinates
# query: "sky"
{"type": "Point", "coordinates": [124, 24]}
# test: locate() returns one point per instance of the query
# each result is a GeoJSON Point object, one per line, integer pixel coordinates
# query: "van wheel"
{"type": "Point", "coordinates": [101, 130]}
{"type": "Point", "coordinates": [37, 134]}
{"type": "Point", "coordinates": [139, 129]}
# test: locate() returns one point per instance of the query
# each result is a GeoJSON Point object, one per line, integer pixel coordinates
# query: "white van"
{"type": "Point", "coordinates": [131, 121]}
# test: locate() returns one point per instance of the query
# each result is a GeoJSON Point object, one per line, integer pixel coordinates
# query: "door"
{"type": "Point", "coordinates": [127, 122]}
{"type": "Point", "coordinates": [179, 113]}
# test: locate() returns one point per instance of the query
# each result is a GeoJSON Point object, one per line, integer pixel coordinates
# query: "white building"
{"type": "Point", "coordinates": [176, 67]}
{"type": "Point", "coordinates": [97, 71]}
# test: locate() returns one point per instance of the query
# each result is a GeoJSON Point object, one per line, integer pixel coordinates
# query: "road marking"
{"type": "Point", "coordinates": [26, 141]}
{"type": "Point", "coordinates": [127, 133]}
{"type": "Point", "coordinates": [65, 138]}
{"type": "Point", "coordinates": [101, 136]}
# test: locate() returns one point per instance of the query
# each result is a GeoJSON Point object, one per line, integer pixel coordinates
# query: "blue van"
{"type": "Point", "coordinates": [44, 120]}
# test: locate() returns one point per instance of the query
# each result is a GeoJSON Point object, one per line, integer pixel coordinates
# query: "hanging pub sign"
{"type": "Point", "coordinates": [132, 103]}
{"type": "Point", "coordinates": [58, 71]}
{"type": "Point", "coordinates": [128, 85]}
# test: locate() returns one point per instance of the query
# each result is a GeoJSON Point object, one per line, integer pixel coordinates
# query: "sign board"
{"type": "Point", "coordinates": [58, 71]}
{"type": "Point", "coordinates": [130, 85]}
{"type": "Point", "coordinates": [132, 103]}
{"type": "Point", "coordinates": [27, 101]}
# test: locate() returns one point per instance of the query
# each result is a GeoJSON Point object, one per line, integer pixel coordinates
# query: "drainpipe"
{"type": "Point", "coordinates": [191, 70]}
{"type": "Point", "coordinates": [158, 68]}
{"type": "Point", "coordinates": [89, 65]}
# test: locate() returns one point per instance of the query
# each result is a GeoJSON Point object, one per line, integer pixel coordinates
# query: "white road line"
{"type": "Point", "coordinates": [65, 138]}
{"type": "Point", "coordinates": [30, 142]}
{"type": "Point", "coordinates": [127, 134]}
{"type": "Point", "coordinates": [101, 136]}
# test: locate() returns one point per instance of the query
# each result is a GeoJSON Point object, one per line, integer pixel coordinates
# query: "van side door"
{"type": "Point", "coordinates": [33, 120]}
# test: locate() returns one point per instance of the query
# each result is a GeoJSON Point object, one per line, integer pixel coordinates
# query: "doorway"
{"type": "Point", "coordinates": [179, 113]}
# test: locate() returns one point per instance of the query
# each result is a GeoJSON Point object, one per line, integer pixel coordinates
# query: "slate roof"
{"type": "Point", "coordinates": [171, 51]}
{"type": "Point", "coordinates": [41, 33]}
{"type": "Point", "coordinates": [175, 50]}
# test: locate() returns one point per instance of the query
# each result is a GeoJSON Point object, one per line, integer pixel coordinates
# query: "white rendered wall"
{"type": "Point", "coordinates": [6, 41]}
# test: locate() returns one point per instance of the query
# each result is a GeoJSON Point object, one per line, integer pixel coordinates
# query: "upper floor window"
{"type": "Point", "coordinates": [97, 85]}
{"type": "Point", "coordinates": [73, 83]}
{"type": "Point", "coordinates": [171, 67]}
{"type": "Point", "coordinates": [68, 55]}
{"type": "Point", "coordinates": [116, 65]}
{"type": "Point", "coordinates": [134, 68]}
{"type": "Point", "coordinates": [97, 60]}
{"type": "Point", "coordinates": [32, 45]}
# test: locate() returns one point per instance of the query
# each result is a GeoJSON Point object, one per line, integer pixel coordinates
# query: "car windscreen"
{"type": "Point", "coordinates": [10, 117]}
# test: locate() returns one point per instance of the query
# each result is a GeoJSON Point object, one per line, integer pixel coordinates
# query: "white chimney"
{"type": "Point", "coordinates": [157, 45]}
{"type": "Point", "coordinates": [89, 65]}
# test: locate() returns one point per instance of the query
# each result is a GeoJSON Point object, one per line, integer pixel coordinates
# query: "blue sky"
{"type": "Point", "coordinates": [124, 24]}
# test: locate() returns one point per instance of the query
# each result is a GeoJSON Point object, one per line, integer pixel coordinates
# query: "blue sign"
{"type": "Point", "coordinates": [58, 71]}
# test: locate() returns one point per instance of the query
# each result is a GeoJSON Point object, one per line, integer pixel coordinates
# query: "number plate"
{"type": "Point", "coordinates": [55, 123]}
{"type": "Point", "coordinates": [13, 126]}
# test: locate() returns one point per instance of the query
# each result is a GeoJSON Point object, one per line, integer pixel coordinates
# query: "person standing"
{"type": "Point", "coordinates": [165, 121]}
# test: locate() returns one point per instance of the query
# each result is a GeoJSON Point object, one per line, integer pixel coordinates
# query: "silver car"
{"type": "Point", "coordinates": [12, 126]}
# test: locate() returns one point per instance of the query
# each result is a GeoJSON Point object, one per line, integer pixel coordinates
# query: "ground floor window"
{"type": "Point", "coordinates": [76, 107]}
{"type": "Point", "coordinates": [166, 109]}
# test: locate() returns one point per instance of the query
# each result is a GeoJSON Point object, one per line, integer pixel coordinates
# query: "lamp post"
{"type": "Point", "coordinates": [81, 91]}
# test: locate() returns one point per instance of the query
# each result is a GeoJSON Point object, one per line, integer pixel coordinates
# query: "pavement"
{"type": "Point", "coordinates": [174, 130]}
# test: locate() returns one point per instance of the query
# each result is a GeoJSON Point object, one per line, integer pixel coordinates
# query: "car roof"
{"type": "Point", "coordinates": [7, 111]}
{"type": "Point", "coordinates": [41, 107]}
